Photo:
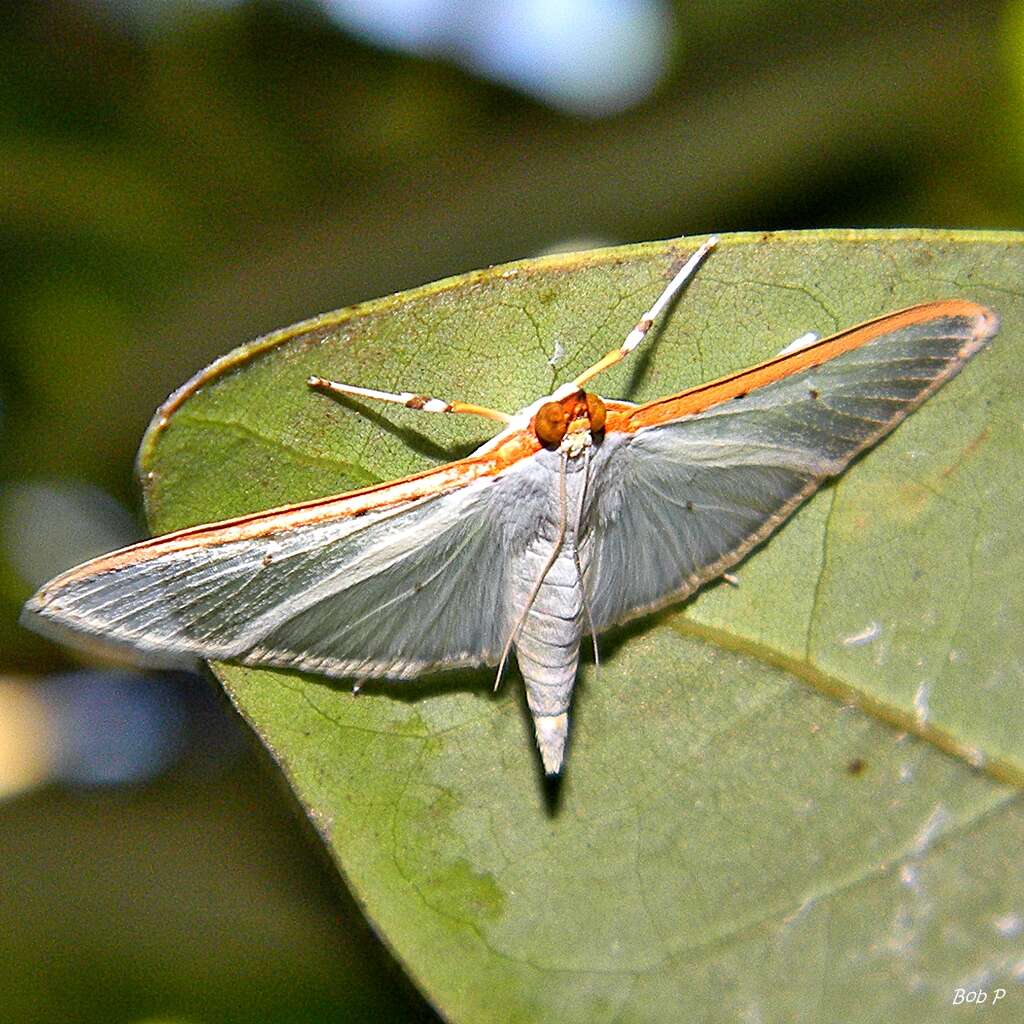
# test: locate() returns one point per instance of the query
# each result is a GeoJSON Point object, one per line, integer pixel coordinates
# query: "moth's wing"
{"type": "Point", "coordinates": [343, 589]}
{"type": "Point", "coordinates": [685, 486]}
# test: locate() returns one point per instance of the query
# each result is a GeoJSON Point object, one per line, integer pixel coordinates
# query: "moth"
{"type": "Point", "coordinates": [581, 513]}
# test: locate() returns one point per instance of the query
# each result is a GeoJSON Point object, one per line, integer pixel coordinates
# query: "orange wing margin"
{"type": "Point", "coordinates": [704, 396]}
{"type": "Point", "coordinates": [439, 480]}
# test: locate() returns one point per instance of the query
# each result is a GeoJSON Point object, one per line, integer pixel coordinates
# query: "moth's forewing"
{"type": "Point", "coordinates": [686, 485]}
{"type": "Point", "coordinates": [388, 581]}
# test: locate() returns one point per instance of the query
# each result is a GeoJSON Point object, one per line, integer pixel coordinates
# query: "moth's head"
{"type": "Point", "coordinates": [570, 421]}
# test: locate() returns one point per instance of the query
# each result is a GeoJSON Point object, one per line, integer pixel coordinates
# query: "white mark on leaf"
{"type": "Point", "coordinates": [932, 828]}
{"type": "Point", "coordinates": [921, 701]}
{"type": "Point", "coordinates": [872, 631]}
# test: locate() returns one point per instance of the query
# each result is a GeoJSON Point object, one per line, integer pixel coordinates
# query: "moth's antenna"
{"type": "Point", "coordinates": [576, 555]}
{"type": "Point", "coordinates": [559, 540]}
{"type": "Point", "coordinates": [643, 325]}
{"type": "Point", "coordinates": [408, 399]}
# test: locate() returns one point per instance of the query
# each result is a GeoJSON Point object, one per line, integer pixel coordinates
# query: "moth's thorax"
{"type": "Point", "coordinates": [569, 421]}
{"type": "Point", "coordinates": [576, 442]}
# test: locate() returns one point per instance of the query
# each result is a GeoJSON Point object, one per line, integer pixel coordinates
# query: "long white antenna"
{"type": "Point", "coordinates": [643, 325]}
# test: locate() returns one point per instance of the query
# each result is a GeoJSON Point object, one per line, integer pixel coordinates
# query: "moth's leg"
{"type": "Point", "coordinates": [643, 325]}
{"type": "Point", "coordinates": [796, 344]}
{"type": "Point", "coordinates": [578, 529]}
{"type": "Point", "coordinates": [408, 399]}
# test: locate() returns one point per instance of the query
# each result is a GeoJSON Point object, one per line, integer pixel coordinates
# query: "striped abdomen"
{"type": "Point", "coordinates": [548, 644]}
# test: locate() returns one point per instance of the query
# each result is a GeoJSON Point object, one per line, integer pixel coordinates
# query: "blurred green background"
{"type": "Point", "coordinates": [179, 177]}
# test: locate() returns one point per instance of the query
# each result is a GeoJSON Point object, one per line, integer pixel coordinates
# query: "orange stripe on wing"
{"type": "Point", "coordinates": [704, 396]}
{"type": "Point", "coordinates": [519, 445]}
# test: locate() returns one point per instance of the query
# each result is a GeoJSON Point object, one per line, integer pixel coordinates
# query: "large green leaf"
{"type": "Point", "coordinates": [792, 799]}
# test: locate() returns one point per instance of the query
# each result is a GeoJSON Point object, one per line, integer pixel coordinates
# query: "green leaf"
{"type": "Point", "coordinates": [786, 800]}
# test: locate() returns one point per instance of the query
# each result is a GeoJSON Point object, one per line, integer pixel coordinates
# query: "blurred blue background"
{"type": "Point", "coordinates": [181, 176]}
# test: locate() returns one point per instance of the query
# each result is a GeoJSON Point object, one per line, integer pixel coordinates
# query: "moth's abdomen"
{"type": "Point", "coordinates": [548, 645]}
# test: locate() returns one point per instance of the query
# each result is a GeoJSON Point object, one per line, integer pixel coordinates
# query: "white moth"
{"type": "Point", "coordinates": [581, 513]}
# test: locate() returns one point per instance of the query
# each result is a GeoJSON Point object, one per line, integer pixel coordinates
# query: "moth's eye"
{"type": "Point", "coordinates": [551, 423]}
{"type": "Point", "coordinates": [596, 413]}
